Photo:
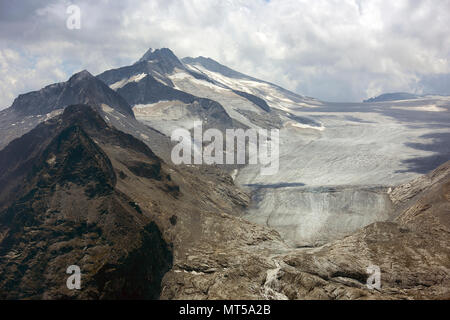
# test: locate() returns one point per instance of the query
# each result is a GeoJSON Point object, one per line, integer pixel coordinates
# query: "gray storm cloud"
{"type": "Point", "coordinates": [345, 50]}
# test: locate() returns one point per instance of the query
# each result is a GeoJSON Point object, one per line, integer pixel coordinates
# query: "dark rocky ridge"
{"type": "Point", "coordinates": [59, 205]}
{"type": "Point", "coordinates": [256, 100]}
{"type": "Point", "coordinates": [157, 63]}
{"type": "Point", "coordinates": [163, 60]}
{"type": "Point", "coordinates": [157, 86]}
{"type": "Point", "coordinates": [30, 109]}
{"type": "Point", "coordinates": [82, 87]}
{"type": "Point", "coordinates": [149, 90]}
{"type": "Point", "coordinates": [80, 192]}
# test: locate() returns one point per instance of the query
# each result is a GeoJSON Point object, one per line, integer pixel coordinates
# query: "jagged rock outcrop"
{"type": "Point", "coordinates": [412, 252]}
{"type": "Point", "coordinates": [149, 91]}
{"type": "Point", "coordinates": [147, 86]}
{"type": "Point", "coordinates": [76, 191]}
{"type": "Point", "coordinates": [28, 110]}
{"type": "Point", "coordinates": [82, 87]}
{"type": "Point", "coordinates": [156, 63]}
{"type": "Point", "coordinates": [60, 206]}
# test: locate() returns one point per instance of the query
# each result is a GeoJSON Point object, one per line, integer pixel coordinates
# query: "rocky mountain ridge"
{"type": "Point", "coordinates": [86, 178]}
{"type": "Point", "coordinates": [60, 206]}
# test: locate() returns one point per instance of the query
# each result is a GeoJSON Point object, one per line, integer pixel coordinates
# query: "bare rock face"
{"type": "Point", "coordinates": [149, 91]}
{"type": "Point", "coordinates": [401, 195]}
{"type": "Point", "coordinates": [82, 87]}
{"type": "Point", "coordinates": [412, 253]}
{"type": "Point", "coordinates": [60, 206]}
{"type": "Point", "coordinates": [76, 191]}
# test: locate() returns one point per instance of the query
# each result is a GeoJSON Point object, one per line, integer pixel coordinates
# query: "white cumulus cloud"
{"type": "Point", "coordinates": [335, 50]}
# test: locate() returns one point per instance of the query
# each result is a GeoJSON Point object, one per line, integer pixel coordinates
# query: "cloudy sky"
{"type": "Point", "coordinates": [334, 50]}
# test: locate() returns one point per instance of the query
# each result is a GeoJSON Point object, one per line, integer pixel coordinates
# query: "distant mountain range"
{"type": "Point", "coordinates": [393, 97]}
{"type": "Point", "coordinates": [172, 88]}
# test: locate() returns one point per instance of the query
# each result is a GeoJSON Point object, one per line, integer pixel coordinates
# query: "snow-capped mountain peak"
{"type": "Point", "coordinates": [164, 59]}
{"type": "Point", "coordinates": [82, 75]}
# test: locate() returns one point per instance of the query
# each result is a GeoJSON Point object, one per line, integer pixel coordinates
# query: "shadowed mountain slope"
{"type": "Point", "coordinates": [60, 206]}
{"type": "Point", "coordinates": [28, 110]}
{"type": "Point", "coordinates": [82, 87]}
{"type": "Point", "coordinates": [76, 191]}
{"type": "Point", "coordinates": [160, 83]}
